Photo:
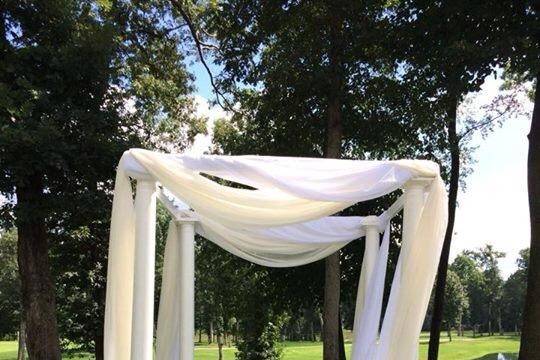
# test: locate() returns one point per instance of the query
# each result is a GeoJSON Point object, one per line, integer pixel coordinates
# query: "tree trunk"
{"type": "Point", "coordinates": [321, 326]}
{"type": "Point", "coordinates": [334, 136]}
{"type": "Point", "coordinates": [331, 308]}
{"type": "Point", "coordinates": [211, 332]}
{"type": "Point", "coordinates": [98, 346]}
{"type": "Point", "coordinates": [530, 335]}
{"type": "Point", "coordinates": [21, 353]}
{"type": "Point", "coordinates": [490, 331]}
{"type": "Point", "coordinates": [438, 303]}
{"type": "Point", "coordinates": [449, 331]}
{"type": "Point", "coordinates": [499, 321]}
{"type": "Point", "coordinates": [37, 286]}
{"type": "Point", "coordinates": [99, 296]}
{"type": "Point", "coordinates": [342, 354]}
{"type": "Point", "coordinates": [220, 345]}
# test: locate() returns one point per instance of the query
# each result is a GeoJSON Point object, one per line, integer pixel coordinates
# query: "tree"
{"type": "Point", "coordinates": [80, 82]}
{"type": "Point", "coordinates": [260, 328]}
{"type": "Point", "coordinates": [514, 291]}
{"type": "Point", "coordinates": [219, 285]}
{"type": "Point", "coordinates": [525, 60]}
{"type": "Point", "coordinates": [473, 281]}
{"type": "Point", "coordinates": [530, 338]}
{"type": "Point", "coordinates": [10, 303]}
{"type": "Point", "coordinates": [450, 47]}
{"type": "Point", "coordinates": [39, 113]}
{"type": "Point", "coordinates": [237, 297]}
{"type": "Point", "coordinates": [456, 304]}
{"type": "Point", "coordinates": [487, 259]}
{"type": "Point", "coordinates": [317, 75]}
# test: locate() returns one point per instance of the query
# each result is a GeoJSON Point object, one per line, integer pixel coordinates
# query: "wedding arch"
{"type": "Point", "coordinates": [280, 218]}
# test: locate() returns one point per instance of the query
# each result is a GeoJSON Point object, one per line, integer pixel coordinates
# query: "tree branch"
{"type": "Point", "coordinates": [199, 45]}
{"type": "Point", "coordinates": [510, 105]}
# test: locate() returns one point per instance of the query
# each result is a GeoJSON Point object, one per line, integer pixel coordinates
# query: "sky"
{"type": "Point", "coordinates": [493, 209]}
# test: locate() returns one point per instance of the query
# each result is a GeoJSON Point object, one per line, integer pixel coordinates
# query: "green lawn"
{"type": "Point", "coordinates": [461, 348]}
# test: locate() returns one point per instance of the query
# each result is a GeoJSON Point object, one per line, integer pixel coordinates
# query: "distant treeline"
{"type": "Point", "coordinates": [232, 293]}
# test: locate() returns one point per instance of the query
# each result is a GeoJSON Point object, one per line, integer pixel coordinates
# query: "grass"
{"type": "Point", "coordinates": [461, 348]}
{"type": "Point", "coordinates": [469, 348]}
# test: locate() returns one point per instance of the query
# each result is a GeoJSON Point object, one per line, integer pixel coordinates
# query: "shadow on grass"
{"type": "Point", "coordinates": [495, 356]}
{"type": "Point", "coordinates": [424, 340]}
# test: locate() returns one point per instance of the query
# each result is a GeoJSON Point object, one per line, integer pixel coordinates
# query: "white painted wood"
{"type": "Point", "coordinates": [143, 284]}
{"type": "Point", "coordinates": [187, 288]}
{"type": "Point", "coordinates": [371, 226]}
{"type": "Point", "coordinates": [389, 213]}
{"type": "Point", "coordinates": [179, 211]}
{"type": "Point", "coordinates": [413, 206]}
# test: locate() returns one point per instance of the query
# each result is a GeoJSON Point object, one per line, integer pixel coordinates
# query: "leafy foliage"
{"type": "Point", "coordinates": [10, 302]}
{"type": "Point", "coordinates": [81, 82]}
{"type": "Point", "coordinates": [513, 294]}
{"type": "Point", "coordinates": [472, 279]}
{"type": "Point", "coordinates": [456, 301]}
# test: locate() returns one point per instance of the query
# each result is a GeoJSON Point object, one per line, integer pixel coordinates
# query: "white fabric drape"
{"type": "Point", "coordinates": [168, 327]}
{"type": "Point", "coordinates": [283, 222]}
{"type": "Point", "coordinates": [368, 314]}
{"type": "Point", "coordinates": [120, 271]}
{"type": "Point", "coordinates": [411, 288]}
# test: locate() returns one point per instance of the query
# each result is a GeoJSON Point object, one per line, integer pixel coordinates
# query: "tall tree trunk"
{"type": "Point", "coordinates": [37, 286]}
{"type": "Point", "coordinates": [334, 136]}
{"type": "Point", "coordinates": [490, 317]}
{"type": "Point", "coordinates": [342, 354]}
{"type": "Point", "coordinates": [98, 346]}
{"type": "Point", "coordinates": [211, 332]}
{"type": "Point", "coordinates": [321, 325]}
{"type": "Point", "coordinates": [220, 345]}
{"type": "Point", "coordinates": [438, 304]}
{"type": "Point", "coordinates": [21, 353]}
{"type": "Point", "coordinates": [99, 295]}
{"type": "Point", "coordinates": [460, 325]}
{"type": "Point", "coordinates": [530, 335]}
{"type": "Point", "coordinates": [499, 323]}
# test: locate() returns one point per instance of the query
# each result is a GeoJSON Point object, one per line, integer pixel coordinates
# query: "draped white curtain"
{"type": "Point", "coordinates": [283, 221]}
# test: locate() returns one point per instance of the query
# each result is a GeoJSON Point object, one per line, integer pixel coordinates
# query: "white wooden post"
{"type": "Point", "coordinates": [371, 226]}
{"type": "Point", "coordinates": [371, 251]}
{"type": "Point", "coordinates": [143, 283]}
{"type": "Point", "coordinates": [413, 205]}
{"type": "Point", "coordinates": [187, 288]}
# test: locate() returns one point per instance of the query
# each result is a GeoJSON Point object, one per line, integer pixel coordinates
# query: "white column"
{"type": "Point", "coordinates": [143, 282]}
{"type": "Point", "coordinates": [371, 226]}
{"type": "Point", "coordinates": [371, 251]}
{"type": "Point", "coordinates": [413, 205]}
{"type": "Point", "coordinates": [187, 288]}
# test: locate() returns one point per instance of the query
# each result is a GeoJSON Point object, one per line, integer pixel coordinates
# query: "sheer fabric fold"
{"type": "Point", "coordinates": [284, 220]}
